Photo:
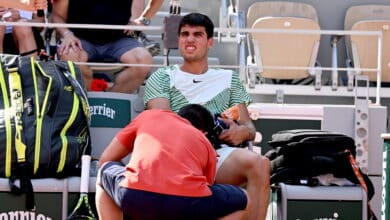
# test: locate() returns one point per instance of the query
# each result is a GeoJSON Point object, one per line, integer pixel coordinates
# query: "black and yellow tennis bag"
{"type": "Point", "coordinates": [44, 119]}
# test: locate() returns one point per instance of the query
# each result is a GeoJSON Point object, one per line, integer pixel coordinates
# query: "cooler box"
{"type": "Point", "coordinates": [321, 202]}
{"type": "Point", "coordinates": [110, 112]}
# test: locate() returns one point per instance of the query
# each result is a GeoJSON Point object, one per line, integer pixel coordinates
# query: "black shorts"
{"type": "Point", "coordinates": [143, 205]}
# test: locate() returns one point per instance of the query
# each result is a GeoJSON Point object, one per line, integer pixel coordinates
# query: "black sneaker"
{"type": "Point", "coordinates": [153, 47]}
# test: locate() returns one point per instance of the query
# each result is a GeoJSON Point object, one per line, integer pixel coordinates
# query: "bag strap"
{"type": "Point", "coordinates": [15, 91]}
{"type": "Point", "coordinates": [7, 120]}
{"type": "Point", "coordinates": [16, 94]}
{"type": "Point", "coordinates": [25, 187]}
{"type": "Point", "coordinates": [356, 171]}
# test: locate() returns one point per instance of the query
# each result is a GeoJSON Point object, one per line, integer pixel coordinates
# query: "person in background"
{"type": "Point", "coordinates": [170, 175]}
{"type": "Point", "coordinates": [172, 87]}
{"type": "Point", "coordinates": [23, 39]}
{"type": "Point", "coordinates": [152, 46]}
{"type": "Point", "coordinates": [86, 45]}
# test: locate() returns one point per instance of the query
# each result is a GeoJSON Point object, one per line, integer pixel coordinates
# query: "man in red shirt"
{"type": "Point", "coordinates": [171, 171]}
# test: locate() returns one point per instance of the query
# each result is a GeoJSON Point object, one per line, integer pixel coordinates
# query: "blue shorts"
{"type": "Point", "coordinates": [143, 205]}
{"type": "Point", "coordinates": [111, 51]}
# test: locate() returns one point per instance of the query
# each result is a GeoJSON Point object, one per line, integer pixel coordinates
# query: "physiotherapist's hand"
{"type": "Point", "coordinates": [234, 135]}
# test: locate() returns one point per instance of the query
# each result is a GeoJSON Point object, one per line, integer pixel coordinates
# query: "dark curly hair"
{"type": "Point", "coordinates": [197, 19]}
{"type": "Point", "coordinates": [199, 116]}
{"type": "Point", "coordinates": [202, 119]}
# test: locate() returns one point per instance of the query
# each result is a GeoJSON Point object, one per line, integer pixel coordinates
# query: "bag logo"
{"type": "Point", "coordinates": [68, 88]}
{"type": "Point", "coordinates": [82, 137]}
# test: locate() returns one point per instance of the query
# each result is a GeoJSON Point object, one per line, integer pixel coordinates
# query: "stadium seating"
{"type": "Point", "coordinates": [362, 50]}
{"type": "Point", "coordinates": [281, 53]}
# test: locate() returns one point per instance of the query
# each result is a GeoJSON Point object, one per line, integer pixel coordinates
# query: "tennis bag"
{"type": "Point", "coordinates": [44, 119]}
{"type": "Point", "coordinates": [300, 155]}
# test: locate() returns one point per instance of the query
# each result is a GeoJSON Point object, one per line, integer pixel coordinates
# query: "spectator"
{"type": "Point", "coordinates": [23, 39]}
{"type": "Point", "coordinates": [82, 45]}
{"type": "Point", "coordinates": [217, 89]}
{"type": "Point", "coordinates": [152, 46]}
{"type": "Point", "coordinates": [171, 172]}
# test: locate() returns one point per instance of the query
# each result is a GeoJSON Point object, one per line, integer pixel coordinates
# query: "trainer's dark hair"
{"type": "Point", "coordinates": [199, 116]}
{"type": "Point", "coordinates": [197, 19]}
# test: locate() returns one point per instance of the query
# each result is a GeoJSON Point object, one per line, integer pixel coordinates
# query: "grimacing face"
{"type": "Point", "coordinates": [193, 43]}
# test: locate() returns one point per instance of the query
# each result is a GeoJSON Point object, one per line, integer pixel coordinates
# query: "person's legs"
{"type": "Point", "coordinates": [129, 51]}
{"type": "Point", "coordinates": [131, 78]}
{"type": "Point", "coordinates": [112, 200]}
{"type": "Point", "coordinates": [25, 41]}
{"type": "Point", "coordinates": [106, 206]}
{"type": "Point", "coordinates": [239, 214]}
{"type": "Point", "coordinates": [241, 167]}
{"type": "Point", "coordinates": [228, 201]}
{"type": "Point", "coordinates": [81, 56]}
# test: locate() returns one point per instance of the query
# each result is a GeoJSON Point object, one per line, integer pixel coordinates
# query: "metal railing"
{"type": "Point", "coordinates": [241, 41]}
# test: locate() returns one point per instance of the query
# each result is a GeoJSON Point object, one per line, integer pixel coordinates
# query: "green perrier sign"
{"type": "Point", "coordinates": [106, 112]}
